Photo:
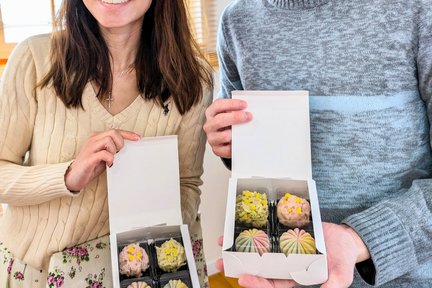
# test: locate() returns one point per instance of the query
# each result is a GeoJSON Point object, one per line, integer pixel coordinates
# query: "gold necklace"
{"type": "Point", "coordinates": [123, 72]}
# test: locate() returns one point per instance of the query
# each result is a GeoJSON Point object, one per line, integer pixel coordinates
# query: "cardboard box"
{"type": "Point", "coordinates": [144, 199]}
{"type": "Point", "coordinates": [272, 154]}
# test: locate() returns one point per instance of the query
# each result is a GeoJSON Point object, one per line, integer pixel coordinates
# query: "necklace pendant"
{"type": "Point", "coordinates": [109, 99]}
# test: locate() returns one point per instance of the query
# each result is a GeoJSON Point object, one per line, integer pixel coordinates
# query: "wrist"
{"type": "Point", "coordinates": [362, 250]}
{"type": "Point", "coordinates": [73, 190]}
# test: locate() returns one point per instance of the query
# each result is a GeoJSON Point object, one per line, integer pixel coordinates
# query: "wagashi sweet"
{"type": "Point", "coordinates": [171, 255]}
{"type": "Point", "coordinates": [253, 240]}
{"type": "Point", "coordinates": [293, 211]}
{"type": "Point", "coordinates": [133, 260]}
{"type": "Point", "coordinates": [252, 209]}
{"type": "Point", "coordinates": [296, 241]}
{"type": "Point", "coordinates": [175, 284]}
{"type": "Point", "coordinates": [138, 285]}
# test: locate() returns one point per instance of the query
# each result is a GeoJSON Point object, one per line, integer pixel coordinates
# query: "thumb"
{"type": "Point", "coordinates": [220, 241]}
{"type": "Point", "coordinates": [220, 265]}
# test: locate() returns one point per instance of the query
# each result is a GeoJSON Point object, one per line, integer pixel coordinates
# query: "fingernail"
{"type": "Point", "coordinates": [248, 116]}
{"type": "Point", "coordinates": [137, 137]}
{"type": "Point", "coordinates": [243, 103]}
{"type": "Point", "coordinates": [111, 165]}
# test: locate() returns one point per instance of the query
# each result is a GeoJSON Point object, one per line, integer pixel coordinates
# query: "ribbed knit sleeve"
{"type": "Point", "coordinates": [191, 142]}
{"type": "Point", "coordinates": [398, 231]}
{"type": "Point", "coordinates": [21, 185]}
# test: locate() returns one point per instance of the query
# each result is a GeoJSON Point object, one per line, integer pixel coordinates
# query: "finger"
{"type": "Point", "coordinates": [278, 283]}
{"type": "Point", "coordinates": [220, 265]}
{"type": "Point", "coordinates": [219, 138]}
{"type": "Point", "coordinates": [248, 281]}
{"type": "Point", "coordinates": [220, 241]}
{"type": "Point", "coordinates": [103, 156]}
{"type": "Point", "coordinates": [101, 143]}
{"type": "Point", "coordinates": [117, 136]}
{"type": "Point", "coordinates": [222, 150]}
{"type": "Point", "coordinates": [225, 105]}
{"type": "Point", "coordinates": [128, 135]}
{"type": "Point", "coordinates": [225, 120]}
{"type": "Point", "coordinates": [107, 144]}
{"type": "Point", "coordinates": [120, 135]}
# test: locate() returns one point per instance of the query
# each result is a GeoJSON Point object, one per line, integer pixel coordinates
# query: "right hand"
{"type": "Point", "coordinates": [221, 115]}
{"type": "Point", "coordinates": [249, 281]}
{"type": "Point", "coordinates": [95, 155]}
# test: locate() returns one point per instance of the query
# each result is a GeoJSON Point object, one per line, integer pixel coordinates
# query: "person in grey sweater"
{"type": "Point", "coordinates": [368, 68]}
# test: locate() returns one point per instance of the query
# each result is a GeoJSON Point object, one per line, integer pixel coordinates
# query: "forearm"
{"type": "Point", "coordinates": [397, 232]}
{"type": "Point", "coordinates": [21, 185]}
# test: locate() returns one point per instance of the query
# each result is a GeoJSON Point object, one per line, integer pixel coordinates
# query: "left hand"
{"type": "Point", "coordinates": [344, 249]}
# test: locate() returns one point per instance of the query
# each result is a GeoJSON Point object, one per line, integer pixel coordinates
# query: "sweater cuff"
{"type": "Point", "coordinates": [226, 162]}
{"type": "Point", "coordinates": [56, 186]}
{"type": "Point", "coordinates": [390, 246]}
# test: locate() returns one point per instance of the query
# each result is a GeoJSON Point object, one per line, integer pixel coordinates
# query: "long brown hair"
{"type": "Point", "coordinates": [168, 61]}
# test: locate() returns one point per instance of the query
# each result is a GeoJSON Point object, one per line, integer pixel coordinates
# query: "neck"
{"type": "Point", "coordinates": [123, 44]}
{"type": "Point", "coordinates": [297, 4]}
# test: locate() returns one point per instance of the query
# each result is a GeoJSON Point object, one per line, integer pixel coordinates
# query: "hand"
{"type": "Point", "coordinates": [96, 154]}
{"type": "Point", "coordinates": [221, 115]}
{"type": "Point", "coordinates": [249, 281]}
{"type": "Point", "coordinates": [344, 249]}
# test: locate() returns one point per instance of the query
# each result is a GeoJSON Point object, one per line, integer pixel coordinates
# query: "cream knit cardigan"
{"type": "Point", "coordinates": [43, 216]}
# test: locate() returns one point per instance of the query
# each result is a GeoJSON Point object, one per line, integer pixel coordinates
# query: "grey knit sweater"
{"type": "Point", "coordinates": [368, 67]}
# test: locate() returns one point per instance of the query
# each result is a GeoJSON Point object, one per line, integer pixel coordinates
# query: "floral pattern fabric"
{"type": "Point", "coordinates": [15, 274]}
{"type": "Point", "coordinates": [87, 265]}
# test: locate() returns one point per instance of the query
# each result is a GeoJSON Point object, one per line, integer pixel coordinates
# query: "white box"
{"type": "Point", "coordinates": [144, 198]}
{"type": "Point", "coordinates": [272, 154]}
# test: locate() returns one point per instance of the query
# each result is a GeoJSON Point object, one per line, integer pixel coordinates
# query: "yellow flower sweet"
{"type": "Point", "coordinates": [252, 208]}
{"type": "Point", "coordinates": [171, 256]}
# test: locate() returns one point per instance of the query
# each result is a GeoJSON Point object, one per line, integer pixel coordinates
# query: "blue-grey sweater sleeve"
{"type": "Point", "coordinates": [398, 231]}
{"type": "Point", "coordinates": [229, 75]}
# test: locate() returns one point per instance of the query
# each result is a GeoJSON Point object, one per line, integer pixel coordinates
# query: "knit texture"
{"type": "Point", "coordinates": [43, 216]}
{"type": "Point", "coordinates": [368, 68]}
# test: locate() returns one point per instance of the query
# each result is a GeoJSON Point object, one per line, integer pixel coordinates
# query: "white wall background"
{"type": "Point", "coordinates": [214, 192]}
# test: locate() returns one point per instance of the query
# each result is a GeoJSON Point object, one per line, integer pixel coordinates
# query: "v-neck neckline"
{"type": "Point", "coordinates": [103, 113]}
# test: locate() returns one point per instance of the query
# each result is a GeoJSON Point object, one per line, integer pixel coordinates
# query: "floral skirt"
{"type": "Point", "coordinates": [87, 265]}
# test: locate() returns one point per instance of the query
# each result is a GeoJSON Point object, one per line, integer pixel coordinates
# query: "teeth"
{"type": "Point", "coordinates": [115, 1]}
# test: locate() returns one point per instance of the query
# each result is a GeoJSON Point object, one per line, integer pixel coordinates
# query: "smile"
{"type": "Point", "coordinates": [115, 1]}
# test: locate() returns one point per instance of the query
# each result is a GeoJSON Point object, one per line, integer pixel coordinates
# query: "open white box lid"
{"type": "Point", "coordinates": [162, 203]}
{"type": "Point", "coordinates": [279, 132]}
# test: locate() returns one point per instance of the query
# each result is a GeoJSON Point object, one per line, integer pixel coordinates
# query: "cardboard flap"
{"type": "Point", "coordinates": [150, 164]}
{"type": "Point", "coordinates": [304, 269]}
{"type": "Point", "coordinates": [316, 273]}
{"type": "Point", "coordinates": [276, 143]}
{"type": "Point", "coordinates": [316, 221]}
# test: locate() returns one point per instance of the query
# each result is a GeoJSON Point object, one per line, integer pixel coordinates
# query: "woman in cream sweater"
{"type": "Point", "coordinates": [115, 70]}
